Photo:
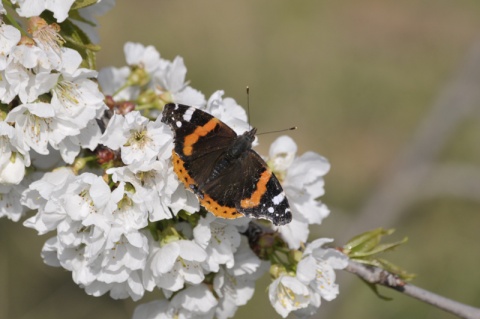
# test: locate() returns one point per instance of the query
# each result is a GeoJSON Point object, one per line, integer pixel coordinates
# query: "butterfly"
{"type": "Point", "coordinates": [229, 178]}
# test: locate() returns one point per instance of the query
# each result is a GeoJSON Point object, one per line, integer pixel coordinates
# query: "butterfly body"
{"type": "Point", "coordinates": [229, 178]}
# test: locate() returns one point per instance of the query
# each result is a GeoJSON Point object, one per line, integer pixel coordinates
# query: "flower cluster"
{"type": "Point", "coordinates": [101, 181]}
{"type": "Point", "coordinates": [50, 104]}
{"type": "Point", "coordinates": [301, 292]}
{"type": "Point", "coordinates": [302, 180]}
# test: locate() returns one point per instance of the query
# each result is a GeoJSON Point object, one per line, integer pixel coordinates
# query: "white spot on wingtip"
{"type": "Point", "coordinates": [179, 124]}
{"type": "Point", "coordinates": [187, 116]}
{"type": "Point", "coordinates": [278, 199]}
{"type": "Point", "coordinates": [270, 210]}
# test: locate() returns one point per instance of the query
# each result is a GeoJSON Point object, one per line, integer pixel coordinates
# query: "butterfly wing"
{"type": "Point", "coordinates": [262, 194]}
{"type": "Point", "coordinates": [200, 139]}
{"type": "Point", "coordinates": [253, 189]}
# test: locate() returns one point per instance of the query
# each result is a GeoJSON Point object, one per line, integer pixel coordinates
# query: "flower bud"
{"type": "Point", "coordinates": [276, 270]}
{"type": "Point", "coordinates": [105, 155]}
{"type": "Point", "coordinates": [139, 76]}
{"type": "Point", "coordinates": [295, 255]}
{"type": "Point", "coordinates": [125, 107]}
{"type": "Point", "coordinates": [110, 102]}
{"type": "Point", "coordinates": [79, 164]}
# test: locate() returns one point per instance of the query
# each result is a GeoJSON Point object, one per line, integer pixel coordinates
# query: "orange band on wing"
{"type": "Point", "coordinates": [261, 188]}
{"type": "Point", "coordinates": [199, 132]}
{"type": "Point", "coordinates": [211, 205]}
{"type": "Point", "coordinates": [182, 173]}
{"type": "Point", "coordinates": [218, 210]}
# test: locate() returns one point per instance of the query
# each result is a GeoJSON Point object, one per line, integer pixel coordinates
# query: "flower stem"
{"type": "Point", "coordinates": [120, 89]}
{"type": "Point", "coordinates": [11, 20]}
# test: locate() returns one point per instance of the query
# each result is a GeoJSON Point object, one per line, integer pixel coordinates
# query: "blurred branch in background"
{"type": "Point", "coordinates": [415, 164]}
{"type": "Point", "coordinates": [459, 180]}
{"type": "Point", "coordinates": [415, 174]}
{"type": "Point", "coordinates": [378, 276]}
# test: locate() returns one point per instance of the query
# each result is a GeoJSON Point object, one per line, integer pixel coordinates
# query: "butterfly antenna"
{"type": "Point", "coordinates": [293, 128]}
{"type": "Point", "coordinates": [248, 108]}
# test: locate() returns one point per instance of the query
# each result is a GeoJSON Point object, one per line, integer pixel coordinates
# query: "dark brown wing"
{"type": "Point", "coordinates": [252, 188]}
{"type": "Point", "coordinates": [266, 199]}
{"type": "Point", "coordinates": [200, 138]}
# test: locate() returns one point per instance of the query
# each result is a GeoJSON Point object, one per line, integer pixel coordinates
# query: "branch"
{"type": "Point", "coordinates": [378, 276]}
{"type": "Point", "coordinates": [459, 180]}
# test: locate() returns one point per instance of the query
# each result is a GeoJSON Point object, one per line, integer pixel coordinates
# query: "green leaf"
{"type": "Point", "coordinates": [365, 247]}
{"type": "Point", "coordinates": [78, 40]}
{"type": "Point", "coordinates": [379, 249]}
{"type": "Point", "coordinates": [394, 269]}
{"type": "Point", "coordinates": [152, 227]}
{"type": "Point", "coordinates": [374, 288]}
{"type": "Point", "coordinates": [75, 15]}
{"type": "Point", "coordinates": [78, 4]}
{"type": "Point", "coordinates": [365, 261]}
{"type": "Point", "coordinates": [366, 241]}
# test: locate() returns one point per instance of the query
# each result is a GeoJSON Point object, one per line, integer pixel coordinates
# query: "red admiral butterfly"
{"type": "Point", "coordinates": [229, 178]}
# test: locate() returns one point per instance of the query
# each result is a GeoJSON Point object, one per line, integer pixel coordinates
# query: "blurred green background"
{"type": "Point", "coordinates": [386, 90]}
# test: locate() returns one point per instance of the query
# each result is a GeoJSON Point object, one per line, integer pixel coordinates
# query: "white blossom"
{"type": "Point", "coordinates": [228, 111]}
{"type": "Point", "coordinates": [30, 8]}
{"type": "Point", "coordinates": [317, 268]}
{"type": "Point", "coordinates": [112, 79]}
{"type": "Point", "coordinates": [316, 271]}
{"type": "Point", "coordinates": [45, 196]}
{"type": "Point", "coordinates": [219, 238]}
{"type": "Point", "coordinates": [12, 159]}
{"type": "Point", "coordinates": [147, 58]}
{"type": "Point", "coordinates": [193, 302]}
{"type": "Point", "coordinates": [36, 126]}
{"type": "Point", "coordinates": [30, 57]}
{"type": "Point", "coordinates": [171, 80]}
{"type": "Point", "coordinates": [88, 137]}
{"type": "Point", "coordinates": [302, 181]}
{"type": "Point", "coordinates": [75, 96]}
{"type": "Point", "coordinates": [141, 141]}
{"type": "Point", "coordinates": [9, 37]}
{"type": "Point", "coordinates": [98, 236]}
{"type": "Point", "coordinates": [131, 287]}
{"type": "Point", "coordinates": [235, 286]}
{"type": "Point", "coordinates": [157, 309]}
{"type": "Point", "coordinates": [287, 293]}
{"type": "Point", "coordinates": [158, 188]}
{"type": "Point", "coordinates": [27, 84]}
{"type": "Point", "coordinates": [13, 171]}
{"type": "Point", "coordinates": [183, 199]}
{"type": "Point", "coordinates": [15, 80]}
{"type": "Point", "coordinates": [174, 264]}
{"type": "Point", "coordinates": [10, 206]}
